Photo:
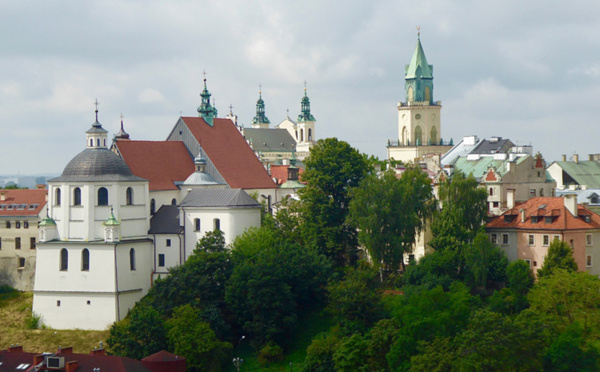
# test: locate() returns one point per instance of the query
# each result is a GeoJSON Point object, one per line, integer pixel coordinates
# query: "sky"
{"type": "Point", "coordinates": [524, 70]}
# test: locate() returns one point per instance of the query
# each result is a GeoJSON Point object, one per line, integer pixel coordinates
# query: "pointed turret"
{"type": "Point", "coordinates": [260, 120]}
{"type": "Point", "coordinates": [419, 77]}
{"type": "Point", "coordinates": [305, 114]}
{"type": "Point", "coordinates": [122, 135]}
{"type": "Point", "coordinates": [205, 110]}
{"type": "Point", "coordinates": [96, 136]}
{"type": "Point", "coordinates": [112, 229]}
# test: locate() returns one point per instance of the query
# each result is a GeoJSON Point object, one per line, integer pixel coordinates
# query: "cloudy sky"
{"type": "Point", "coordinates": [526, 70]}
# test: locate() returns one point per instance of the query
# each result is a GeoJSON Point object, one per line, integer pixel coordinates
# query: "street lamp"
{"type": "Point", "coordinates": [237, 361]}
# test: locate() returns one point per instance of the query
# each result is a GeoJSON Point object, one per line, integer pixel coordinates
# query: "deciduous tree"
{"type": "Point", "coordinates": [560, 256]}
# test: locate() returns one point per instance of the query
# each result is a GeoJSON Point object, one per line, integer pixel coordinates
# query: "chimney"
{"type": "Point", "coordinates": [71, 366]}
{"type": "Point", "coordinates": [40, 186]}
{"type": "Point", "coordinates": [564, 157]}
{"type": "Point", "coordinates": [576, 158]}
{"type": "Point", "coordinates": [510, 198]}
{"type": "Point", "coordinates": [2, 195]}
{"type": "Point", "coordinates": [65, 350]}
{"type": "Point", "coordinates": [98, 352]}
{"type": "Point", "coordinates": [571, 203]}
{"type": "Point", "coordinates": [37, 359]}
{"type": "Point", "coordinates": [16, 348]}
{"type": "Point", "coordinates": [522, 212]}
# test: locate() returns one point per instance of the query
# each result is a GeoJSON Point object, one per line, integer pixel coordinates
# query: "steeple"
{"type": "Point", "coordinates": [419, 76]}
{"type": "Point", "coordinates": [95, 137]}
{"type": "Point", "coordinates": [260, 120]}
{"type": "Point", "coordinates": [205, 110]}
{"type": "Point", "coordinates": [122, 135]}
{"type": "Point", "coordinates": [305, 114]}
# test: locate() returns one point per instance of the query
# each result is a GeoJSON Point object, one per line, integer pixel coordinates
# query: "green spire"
{"type": "Point", "coordinates": [205, 110]}
{"type": "Point", "coordinates": [260, 117]}
{"type": "Point", "coordinates": [419, 76]}
{"type": "Point", "coordinates": [305, 114]}
{"type": "Point", "coordinates": [112, 221]}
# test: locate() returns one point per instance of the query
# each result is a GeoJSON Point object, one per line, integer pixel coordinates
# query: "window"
{"type": "Point", "coordinates": [132, 259]}
{"type": "Point", "coordinates": [64, 260]}
{"type": "Point", "coordinates": [594, 199]}
{"type": "Point", "coordinates": [168, 242]}
{"type": "Point", "coordinates": [21, 262]}
{"type": "Point", "coordinates": [0, 242]}
{"type": "Point", "coordinates": [494, 238]}
{"type": "Point", "coordinates": [89, 302]}
{"type": "Point", "coordinates": [85, 260]}
{"type": "Point", "coordinates": [18, 224]}
{"type": "Point", "coordinates": [58, 303]}
{"type": "Point", "coordinates": [217, 224]}
{"type": "Point", "coordinates": [57, 196]}
{"type": "Point", "coordinates": [546, 240]}
{"type": "Point", "coordinates": [504, 239]}
{"type": "Point", "coordinates": [129, 196]}
{"type": "Point", "coordinates": [98, 142]}
{"type": "Point", "coordinates": [309, 134]}
{"type": "Point", "coordinates": [152, 206]}
{"type": "Point", "coordinates": [541, 192]}
{"type": "Point", "coordinates": [531, 193]}
{"type": "Point", "coordinates": [32, 243]}
{"type": "Point", "coordinates": [556, 237]}
{"type": "Point", "coordinates": [161, 260]}
{"type": "Point", "coordinates": [496, 204]}
{"type": "Point", "coordinates": [528, 262]}
{"type": "Point", "coordinates": [572, 244]}
{"type": "Point", "coordinates": [8, 224]}
{"type": "Point", "coordinates": [77, 196]}
{"type": "Point", "coordinates": [17, 243]}
{"type": "Point", "coordinates": [25, 224]}
{"type": "Point", "coordinates": [174, 201]}
{"type": "Point", "coordinates": [588, 239]}
{"type": "Point", "coordinates": [102, 196]}
{"type": "Point", "coordinates": [491, 191]}
{"type": "Point", "coordinates": [588, 261]}
{"type": "Point", "coordinates": [531, 239]}
{"type": "Point", "coordinates": [196, 224]}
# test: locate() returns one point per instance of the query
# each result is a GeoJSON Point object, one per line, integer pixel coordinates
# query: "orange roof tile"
{"type": "Point", "coordinates": [280, 173]}
{"type": "Point", "coordinates": [22, 202]}
{"type": "Point", "coordinates": [160, 162]}
{"type": "Point", "coordinates": [230, 153]}
{"type": "Point", "coordinates": [559, 217]}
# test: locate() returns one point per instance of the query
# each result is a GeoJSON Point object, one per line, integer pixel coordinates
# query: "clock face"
{"type": "Point", "coordinates": [418, 116]}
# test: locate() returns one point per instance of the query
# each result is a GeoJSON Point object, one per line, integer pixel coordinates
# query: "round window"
{"type": "Point", "coordinates": [418, 116]}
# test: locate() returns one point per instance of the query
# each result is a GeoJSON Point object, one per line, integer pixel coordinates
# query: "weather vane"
{"type": "Point", "coordinates": [418, 30]}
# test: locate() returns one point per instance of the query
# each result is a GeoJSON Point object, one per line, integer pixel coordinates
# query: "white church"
{"type": "Point", "coordinates": [105, 239]}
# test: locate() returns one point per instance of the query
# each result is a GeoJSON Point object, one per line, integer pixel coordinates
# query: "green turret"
{"type": "Point", "coordinates": [305, 114]}
{"type": "Point", "coordinates": [205, 110]}
{"type": "Point", "coordinates": [419, 77]}
{"type": "Point", "coordinates": [260, 117]}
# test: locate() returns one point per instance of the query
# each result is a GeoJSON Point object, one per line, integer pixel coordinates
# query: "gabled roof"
{"type": "Point", "coordinates": [480, 166]}
{"type": "Point", "coordinates": [166, 221]}
{"type": "Point", "coordinates": [22, 202]}
{"type": "Point", "coordinates": [492, 146]}
{"type": "Point", "coordinates": [270, 140]}
{"type": "Point", "coordinates": [160, 162]}
{"type": "Point", "coordinates": [583, 172]}
{"type": "Point", "coordinates": [229, 153]}
{"type": "Point", "coordinates": [553, 207]}
{"type": "Point", "coordinates": [219, 198]}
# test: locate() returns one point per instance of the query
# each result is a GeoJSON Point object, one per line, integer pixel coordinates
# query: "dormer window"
{"type": "Point", "coordinates": [586, 218]}
{"type": "Point", "coordinates": [534, 219]}
{"type": "Point", "coordinates": [509, 217]}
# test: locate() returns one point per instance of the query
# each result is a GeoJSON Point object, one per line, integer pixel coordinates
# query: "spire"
{"type": "Point", "coordinates": [205, 110]}
{"type": "Point", "coordinates": [260, 117]}
{"type": "Point", "coordinates": [96, 135]}
{"type": "Point", "coordinates": [122, 135]}
{"type": "Point", "coordinates": [419, 76]}
{"type": "Point", "coordinates": [305, 114]}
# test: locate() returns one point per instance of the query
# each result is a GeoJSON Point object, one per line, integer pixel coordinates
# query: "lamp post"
{"type": "Point", "coordinates": [237, 361]}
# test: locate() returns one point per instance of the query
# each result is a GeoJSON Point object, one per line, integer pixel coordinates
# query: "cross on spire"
{"type": "Point", "coordinates": [204, 74]}
{"type": "Point", "coordinates": [418, 31]}
{"type": "Point", "coordinates": [230, 109]}
{"type": "Point", "coordinates": [96, 104]}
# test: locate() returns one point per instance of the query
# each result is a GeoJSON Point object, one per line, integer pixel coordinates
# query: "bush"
{"type": "Point", "coordinates": [270, 353]}
{"type": "Point", "coordinates": [33, 322]}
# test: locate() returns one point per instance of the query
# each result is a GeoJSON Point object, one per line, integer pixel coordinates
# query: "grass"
{"type": "Point", "coordinates": [311, 323]}
{"type": "Point", "coordinates": [16, 318]}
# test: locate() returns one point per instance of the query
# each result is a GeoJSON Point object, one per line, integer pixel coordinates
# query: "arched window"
{"type": "Point", "coordinates": [216, 224]}
{"type": "Point", "coordinates": [132, 259]}
{"type": "Point", "coordinates": [77, 196]}
{"type": "Point", "coordinates": [91, 142]}
{"type": "Point", "coordinates": [196, 224]}
{"type": "Point", "coordinates": [301, 135]}
{"type": "Point", "coordinates": [403, 136]}
{"type": "Point", "coordinates": [410, 94]}
{"type": "Point", "coordinates": [152, 206]}
{"type": "Point", "coordinates": [57, 196]}
{"type": "Point", "coordinates": [102, 196]}
{"type": "Point", "coordinates": [105, 142]}
{"type": "Point", "coordinates": [433, 136]}
{"type": "Point", "coordinates": [541, 192]}
{"type": "Point", "coordinates": [594, 199]}
{"type": "Point", "coordinates": [418, 136]}
{"type": "Point", "coordinates": [129, 196]}
{"type": "Point", "coordinates": [174, 201]}
{"type": "Point", "coordinates": [427, 94]}
{"type": "Point", "coordinates": [64, 260]}
{"type": "Point", "coordinates": [309, 134]}
{"type": "Point", "coordinates": [98, 142]}
{"type": "Point", "coordinates": [491, 191]}
{"type": "Point", "coordinates": [85, 260]}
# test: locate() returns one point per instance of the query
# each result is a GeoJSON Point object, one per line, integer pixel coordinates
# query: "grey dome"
{"type": "Point", "coordinates": [97, 164]}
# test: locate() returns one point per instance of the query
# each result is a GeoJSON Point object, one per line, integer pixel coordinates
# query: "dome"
{"type": "Point", "coordinates": [97, 164]}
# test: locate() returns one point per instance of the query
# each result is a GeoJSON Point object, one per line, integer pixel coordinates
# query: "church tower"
{"type": "Point", "coordinates": [205, 110]}
{"type": "Point", "coordinates": [419, 124]}
{"type": "Point", "coordinates": [260, 121]}
{"type": "Point", "coordinates": [306, 126]}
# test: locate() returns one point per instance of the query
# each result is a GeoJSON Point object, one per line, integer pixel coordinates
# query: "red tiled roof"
{"type": "Point", "coordinates": [561, 218]}
{"type": "Point", "coordinates": [230, 153]}
{"type": "Point", "coordinates": [160, 162]}
{"type": "Point", "coordinates": [22, 202]}
{"type": "Point", "coordinates": [280, 172]}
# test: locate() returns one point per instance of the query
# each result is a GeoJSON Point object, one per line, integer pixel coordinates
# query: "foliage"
{"type": "Point", "coordinates": [513, 299]}
{"type": "Point", "coordinates": [389, 213]}
{"type": "Point", "coordinates": [193, 339]}
{"type": "Point", "coordinates": [484, 263]}
{"type": "Point", "coordinates": [354, 301]}
{"type": "Point", "coordinates": [333, 168]}
{"type": "Point", "coordinates": [287, 220]}
{"type": "Point", "coordinates": [33, 321]}
{"type": "Point", "coordinates": [141, 334]}
{"type": "Point", "coordinates": [351, 354]}
{"type": "Point", "coordinates": [319, 354]}
{"type": "Point", "coordinates": [381, 337]}
{"type": "Point", "coordinates": [7, 292]}
{"type": "Point", "coordinates": [271, 352]}
{"type": "Point", "coordinates": [560, 256]}
{"type": "Point", "coordinates": [570, 352]}
{"type": "Point", "coordinates": [13, 186]}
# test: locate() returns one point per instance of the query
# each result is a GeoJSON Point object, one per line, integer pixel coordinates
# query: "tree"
{"type": "Point", "coordinates": [193, 339]}
{"type": "Point", "coordinates": [513, 298]}
{"type": "Point", "coordinates": [333, 168]}
{"type": "Point", "coordinates": [485, 262]}
{"type": "Point", "coordinates": [389, 213]}
{"type": "Point", "coordinates": [319, 354]}
{"type": "Point", "coordinates": [570, 352]}
{"type": "Point", "coordinates": [141, 334]}
{"type": "Point", "coordinates": [560, 256]}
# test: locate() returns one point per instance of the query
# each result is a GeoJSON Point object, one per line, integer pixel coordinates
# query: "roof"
{"type": "Point", "coordinates": [280, 172]}
{"type": "Point", "coordinates": [492, 146]}
{"type": "Point", "coordinates": [480, 166]}
{"type": "Point", "coordinates": [228, 151]}
{"type": "Point", "coordinates": [583, 196]}
{"type": "Point", "coordinates": [419, 61]}
{"type": "Point", "coordinates": [270, 140]}
{"type": "Point", "coordinates": [96, 164]}
{"type": "Point", "coordinates": [219, 198]}
{"type": "Point", "coordinates": [160, 162]}
{"type": "Point", "coordinates": [22, 202]}
{"type": "Point", "coordinates": [583, 172]}
{"type": "Point", "coordinates": [166, 221]}
{"type": "Point", "coordinates": [462, 148]}
{"type": "Point", "coordinates": [553, 207]}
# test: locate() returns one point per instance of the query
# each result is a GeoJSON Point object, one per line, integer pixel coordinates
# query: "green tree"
{"type": "Point", "coordinates": [389, 213]}
{"type": "Point", "coordinates": [351, 354]}
{"type": "Point", "coordinates": [319, 354]}
{"type": "Point", "coordinates": [333, 168]}
{"type": "Point", "coordinates": [141, 334]}
{"type": "Point", "coordinates": [570, 352]}
{"type": "Point", "coordinates": [513, 298]}
{"type": "Point", "coordinates": [485, 262]}
{"type": "Point", "coordinates": [193, 339]}
{"type": "Point", "coordinates": [560, 256]}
